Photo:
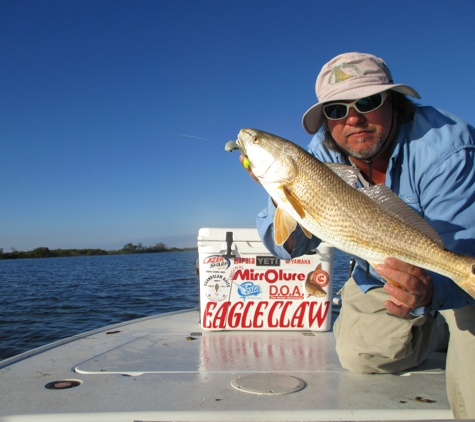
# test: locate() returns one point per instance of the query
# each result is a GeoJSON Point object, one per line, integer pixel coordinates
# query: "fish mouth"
{"type": "Point", "coordinates": [241, 146]}
{"type": "Point", "coordinates": [240, 142]}
{"type": "Point", "coordinates": [235, 145]}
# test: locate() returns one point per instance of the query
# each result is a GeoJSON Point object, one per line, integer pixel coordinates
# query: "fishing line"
{"type": "Point", "coordinates": [95, 97]}
{"type": "Point", "coordinates": [187, 136]}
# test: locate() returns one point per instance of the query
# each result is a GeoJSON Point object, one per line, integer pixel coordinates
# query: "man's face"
{"type": "Point", "coordinates": [362, 134]}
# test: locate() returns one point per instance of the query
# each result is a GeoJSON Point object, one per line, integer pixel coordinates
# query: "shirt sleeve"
{"type": "Point", "coordinates": [448, 194]}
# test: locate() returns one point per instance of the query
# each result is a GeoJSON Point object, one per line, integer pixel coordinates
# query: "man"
{"type": "Point", "coordinates": [427, 157]}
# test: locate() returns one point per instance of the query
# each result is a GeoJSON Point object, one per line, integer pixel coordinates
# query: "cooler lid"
{"type": "Point", "coordinates": [219, 234]}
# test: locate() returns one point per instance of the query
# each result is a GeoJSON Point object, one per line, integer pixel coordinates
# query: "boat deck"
{"type": "Point", "coordinates": [166, 368]}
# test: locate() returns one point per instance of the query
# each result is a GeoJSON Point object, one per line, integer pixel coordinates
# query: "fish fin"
{"type": "Point", "coordinates": [294, 202]}
{"type": "Point", "coordinates": [349, 174]}
{"type": "Point", "coordinates": [306, 232]}
{"type": "Point", "coordinates": [390, 281]}
{"type": "Point", "coordinates": [298, 209]}
{"type": "Point", "coordinates": [284, 226]}
{"type": "Point", "coordinates": [396, 206]}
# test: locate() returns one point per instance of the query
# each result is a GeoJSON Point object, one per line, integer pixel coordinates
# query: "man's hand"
{"type": "Point", "coordinates": [415, 289]}
{"type": "Point", "coordinates": [248, 168]}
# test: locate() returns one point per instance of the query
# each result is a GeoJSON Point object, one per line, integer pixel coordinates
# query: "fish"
{"type": "Point", "coordinates": [372, 223]}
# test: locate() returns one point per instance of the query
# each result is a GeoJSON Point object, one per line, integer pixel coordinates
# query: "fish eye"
{"type": "Point", "coordinates": [256, 139]}
{"type": "Point", "coordinates": [473, 269]}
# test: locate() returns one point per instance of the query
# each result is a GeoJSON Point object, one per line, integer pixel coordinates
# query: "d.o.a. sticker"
{"type": "Point", "coordinates": [216, 288]}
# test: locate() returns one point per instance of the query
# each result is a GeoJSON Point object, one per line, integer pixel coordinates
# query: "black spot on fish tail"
{"type": "Point", "coordinates": [473, 269]}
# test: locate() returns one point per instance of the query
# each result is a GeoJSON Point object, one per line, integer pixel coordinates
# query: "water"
{"type": "Point", "coordinates": [47, 299]}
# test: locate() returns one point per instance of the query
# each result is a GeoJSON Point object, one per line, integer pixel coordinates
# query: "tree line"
{"type": "Point", "coordinates": [129, 248]}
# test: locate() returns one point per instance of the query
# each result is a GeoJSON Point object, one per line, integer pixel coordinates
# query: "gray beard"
{"type": "Point", "coordinates": [367, 153]}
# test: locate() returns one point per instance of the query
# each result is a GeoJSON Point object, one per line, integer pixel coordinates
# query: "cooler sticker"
{"type": "Point", "coordinates": [278, 314]}
{"type": "Point", "coordinates": [299, 261]}
{"type": "Point", "coordinates": [267, 261]}
{"type": "Point", "coordinates": [246, 260]}
{"type": "Point", "coordinates": [247, 289]}
{"type": "Point", "coordinates": [217, 262]}
{"type": "Point", "coordinates": [285, 292]}
{"type": "Point", "coordinates": [216, 288]}
{"type": "Point", "coordinates": [270, 276]}
{"type": "Point", "coordinates": [315, 282]}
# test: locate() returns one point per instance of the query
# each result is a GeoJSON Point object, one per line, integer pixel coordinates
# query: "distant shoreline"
{"type": "Point", "coordinates": [129, 248]}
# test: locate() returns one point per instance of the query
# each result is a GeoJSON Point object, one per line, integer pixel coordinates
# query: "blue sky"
{"type": "Point", "coordinates": [96, 98]}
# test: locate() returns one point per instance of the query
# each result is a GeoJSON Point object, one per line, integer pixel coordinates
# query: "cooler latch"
{"type": "Point", "coordinates": [229, 243]}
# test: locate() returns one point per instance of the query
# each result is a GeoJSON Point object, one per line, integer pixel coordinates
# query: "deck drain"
{"type": "Point", "coordinates": [62, 384]}
{"type": "Point", "coordinates": [268, 384]}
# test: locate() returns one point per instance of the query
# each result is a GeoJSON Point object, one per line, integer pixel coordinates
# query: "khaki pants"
{"type": "Point", "coordinates": [371, 340]}
{"type": "Point", "coordinates": [460, 369]}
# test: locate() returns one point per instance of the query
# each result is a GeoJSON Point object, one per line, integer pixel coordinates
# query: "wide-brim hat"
{"type": "Point", "coordinates": [350, 76]}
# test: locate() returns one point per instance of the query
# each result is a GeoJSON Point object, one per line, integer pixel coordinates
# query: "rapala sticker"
{"type": "Point", "coordinates": [216, 288]}
{"type": "Point", "coordinates": [217, 262]}
{"type": "Point", "coordinates": [245, 260]}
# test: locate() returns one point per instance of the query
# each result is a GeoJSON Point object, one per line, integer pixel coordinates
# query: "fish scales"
{"type": "Point", "coordinates": [347, 216]}
{"type": "Point", "coordinates": [328, 207]}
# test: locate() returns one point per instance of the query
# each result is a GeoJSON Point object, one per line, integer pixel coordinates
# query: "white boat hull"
{"type": "Point", "coordinates": [166, 368]}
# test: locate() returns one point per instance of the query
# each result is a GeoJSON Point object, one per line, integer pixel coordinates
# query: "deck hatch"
{"type": "Point", "coordinates": [268, 384]}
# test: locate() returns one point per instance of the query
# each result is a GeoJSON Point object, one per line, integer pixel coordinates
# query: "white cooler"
{"type": "Point", "coordinates": [244, 287]}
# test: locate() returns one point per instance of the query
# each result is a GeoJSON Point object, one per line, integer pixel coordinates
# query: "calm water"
{"type": "Point", "coordinates": [47, 299]}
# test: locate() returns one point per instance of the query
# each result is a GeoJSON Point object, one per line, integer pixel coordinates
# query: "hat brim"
{"type": "Point", "coordinates": [313, 118]}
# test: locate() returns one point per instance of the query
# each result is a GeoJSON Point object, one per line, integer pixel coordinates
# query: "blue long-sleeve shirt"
{"type": "Point", "coordinates": [432, 169]}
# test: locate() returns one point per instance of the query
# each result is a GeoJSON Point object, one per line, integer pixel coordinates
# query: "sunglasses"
{"type": "Point", "coordinates": [337, 111]}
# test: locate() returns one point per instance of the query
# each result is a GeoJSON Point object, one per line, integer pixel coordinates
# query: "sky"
{"type": "Point", "coordinates": [114, 114]}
